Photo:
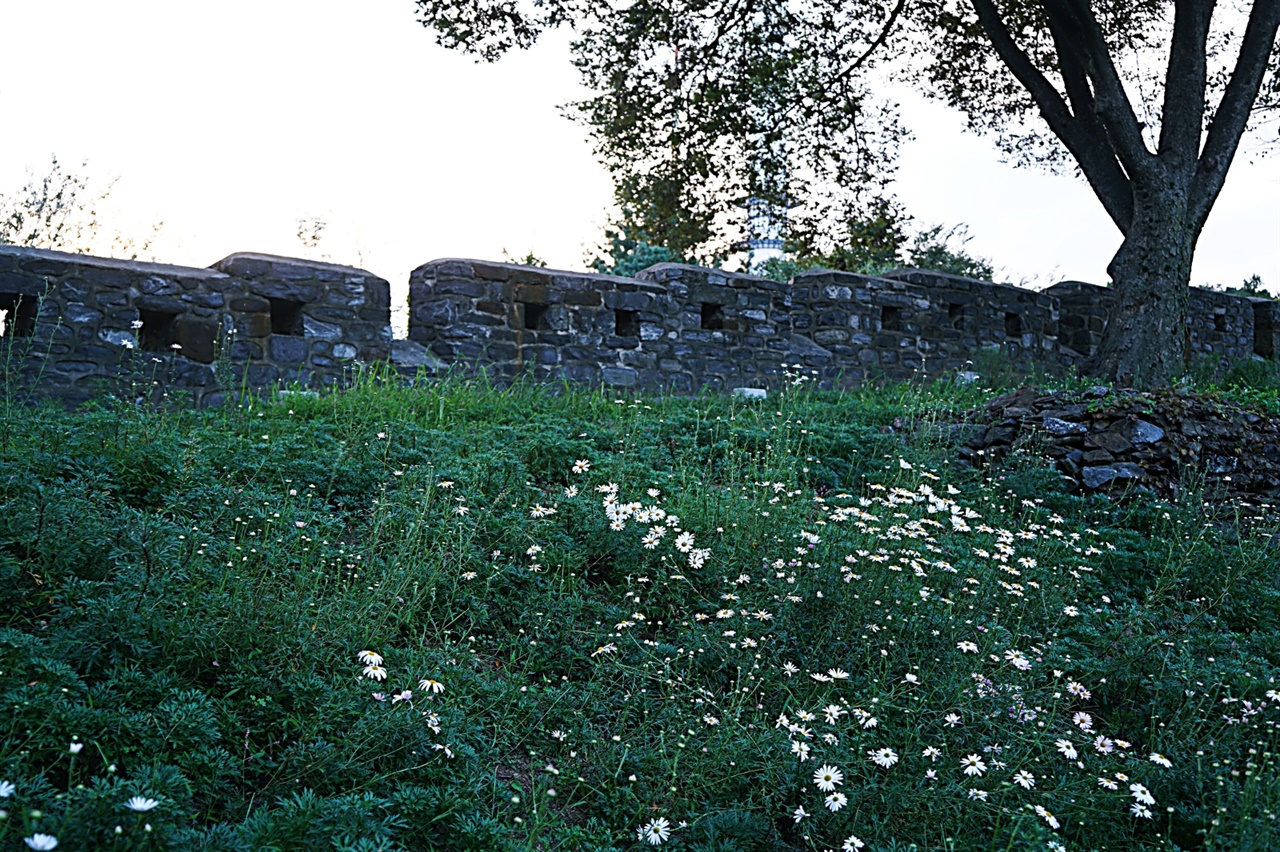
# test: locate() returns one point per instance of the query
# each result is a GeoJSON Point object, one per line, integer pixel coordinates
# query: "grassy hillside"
{"type": "Point", "coordinates": [457, 618]}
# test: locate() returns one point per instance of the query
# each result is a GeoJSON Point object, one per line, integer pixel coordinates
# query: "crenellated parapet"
{"type": "Point", "coordinates": [75, 327]}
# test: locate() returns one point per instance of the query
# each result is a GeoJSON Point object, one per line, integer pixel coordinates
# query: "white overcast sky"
{"type": "Point", "coordinates": [229, 121]}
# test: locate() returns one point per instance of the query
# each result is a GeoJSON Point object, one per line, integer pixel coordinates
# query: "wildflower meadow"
{"type": "Point", "coordinates": [458, 617]}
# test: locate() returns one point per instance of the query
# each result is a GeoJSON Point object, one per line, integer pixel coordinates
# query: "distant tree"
{"type": "Point", "coordinates": [1252, 287]}
{"type": "Point", "coordinates": [699, 105]}
{"type": "Point", "coordinates": [884, 242]}
{"type": "Point", "coordinates": [529, 259]}
{"type": "Point", "coordinates": [59, 211]}
{"type": "Point", "coordinates": [943, 250]}
{"type": "Point", "coordinates": [627, 252]}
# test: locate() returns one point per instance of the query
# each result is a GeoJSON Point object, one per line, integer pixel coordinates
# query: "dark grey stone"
{"type": "Point", "coordinates": [1146, 433]}
{"type": "Point", "coordinates": [79, 314]}
{"type": "Point", "coordinates": [319, 330]}
{"type": "Point", "coordinates": [1058, 427]}
{"type": "Point", "coordinates": [1096, 477]}
{"type": "Point", "coordinates": [618, 376]}
{"type": "Point", "coordinates": [245, 350]}
{"type": "Point", "coordinates": [287, 350]}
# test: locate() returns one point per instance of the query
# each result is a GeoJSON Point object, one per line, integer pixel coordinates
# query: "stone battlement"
{"type": "Point", "coordinates": [75, 326]}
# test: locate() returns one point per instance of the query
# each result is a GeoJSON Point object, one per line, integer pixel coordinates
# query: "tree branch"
{"type": "Point", "coordinates": [875, 45]}
{"type": "Point", "coordinates": [1106, 179]}
{"type": "Point", "coordinates": [1096, 157]}
{"type": "Point", "coordinates": [1113, 106]}
{"type": "Point", "coordinates": [1233, 111]}
{"type": "Point", "coordinates": [1182, 115]}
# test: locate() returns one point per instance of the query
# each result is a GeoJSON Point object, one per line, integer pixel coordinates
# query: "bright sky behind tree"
{"type": "Point", "coordinates": [232, 121]}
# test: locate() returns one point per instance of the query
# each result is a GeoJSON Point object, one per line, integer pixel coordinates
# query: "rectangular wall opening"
{"type": "Point", "coordinates": [18, 315]}
{"type": "Point", "coordinates": [286, 317]}
{"type": "Point", "coordinates": [712, 316]}
{"type": "Point", "coordinates": [1263, 333]}
{"type": "Point", "coordinates": [1220, 322]}
{"type": "Point", "coordinates": [890, 318]}
{"type": "Point", "coordinates": [1012, 325]}
{"type": "Point", "coordinates": [156, 332]}
{"type": "Point", "coordinates": [955, 314]}
{"type": "Point", "coordinates": [534, 316]}
{"type": "Point", "coordinates": [626, 324]}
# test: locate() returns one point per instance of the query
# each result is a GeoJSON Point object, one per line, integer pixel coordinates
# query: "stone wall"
{"type": "Point", "coordinates": [1219, 325]}
{"type": "Point", "coordinates": [673, 327]}
{"type": "Point", "coordinates": [1266, 327]}
{"type": "Point", "coordinates": [80, 326]}
{"type": "Point", "coordinates": [852, 327]}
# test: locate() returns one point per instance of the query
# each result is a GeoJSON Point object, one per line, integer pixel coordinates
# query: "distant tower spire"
{"type": "Point", "coordinates": [767, 207]}
{"type": "Point", "coordinates": [765, 223]}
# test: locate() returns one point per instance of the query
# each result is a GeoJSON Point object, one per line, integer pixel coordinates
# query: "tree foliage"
{"type": "Point", "coordinates": [628, 252]}
{"type": "Point", "coordinates": [698, 106]}
{"type": "Point", "coordinates": [60, 211]}
{"type": "Point", "coordinates": [883, 243]}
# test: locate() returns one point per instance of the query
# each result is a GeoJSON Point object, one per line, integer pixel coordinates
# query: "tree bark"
{"type": "Point", "coordinates": [1146, 342]}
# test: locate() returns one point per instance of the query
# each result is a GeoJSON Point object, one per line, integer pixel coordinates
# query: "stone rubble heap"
{"type": "Point", "coordinates": [1165, 443]}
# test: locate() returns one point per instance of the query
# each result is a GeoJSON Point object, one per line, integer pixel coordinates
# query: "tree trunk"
{"type": "Point", "coordinates": [1145, 342]}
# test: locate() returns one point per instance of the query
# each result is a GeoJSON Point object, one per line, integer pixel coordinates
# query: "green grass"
{"type": "Point", "coordinates": [186, 594]}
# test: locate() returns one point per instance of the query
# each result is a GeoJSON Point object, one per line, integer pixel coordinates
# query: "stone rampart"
{"type": "Point", "coordinates": [78, 326]}
{"type": "Point", "coordinates": [853, 327]}
{"type": "Point", "coordinates": [672, 327]}
{"type": "Point", "coordinates": [1219, 325]}
{"type": "Point", "coordinates": [75, 327]}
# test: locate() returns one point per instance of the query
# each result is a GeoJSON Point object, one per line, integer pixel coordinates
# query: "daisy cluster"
{"type": "Point", "coordinates": [900, 562]}
{"type": "Point", "coordinates": [427, 687]}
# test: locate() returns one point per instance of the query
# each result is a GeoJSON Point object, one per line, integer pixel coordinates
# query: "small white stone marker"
{"type": "Point", "coordinates": [751, 393]}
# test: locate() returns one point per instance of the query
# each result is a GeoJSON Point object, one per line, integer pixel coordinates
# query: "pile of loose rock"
{"type": "Point", "coordinates": [1164, 443]}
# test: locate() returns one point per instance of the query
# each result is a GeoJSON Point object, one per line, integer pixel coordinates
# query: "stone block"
{"type": "Point", "coordinates": [489, 271]}
{"type": "Point", "coordinates": [827, 337]}
{"type": "Point", "coordinates": [287, 350]}
{"type": "Point", "coordinates": [245, 350]}
{"type": "Point", "coordinates": [315, 329]}
{"type": "Point", "coordinates": [204, 300]}
{"type": "Point", "coordinates": [196, 337]}
{"type": "Point", "coordinates": [188, 374]}
{"type": "Point", "coordinates": [618, 376]}
{"type": "Point", "coordinates": [163, 304]}
{"type": "Point", "coordinates": [256, 375]}
{"type": "Point", "coordinates": [156, 286]}
{"type": "Point", "coordinates": [462, 287]}
{"type": "Point", "coordinates": [250, 305]}
{"type": "Point", "coordinates": [77, 313]}
{"type": "Point", "coordinates": [628, 301]}
{"type": "Point", "coordinates": [533, 294]}
{"type": "Point", "coordinates": [75, 368]}
{"type": "Point", "coordinates": [589, 298]}
{"type": "Point", "coordinates": [254, 325]}
{"type": "Point", "coordinates": [293, 291]}
{"type": "Point", "coordinates": [116, 337]}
